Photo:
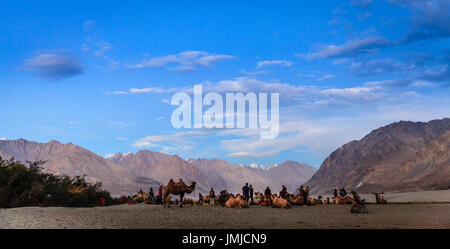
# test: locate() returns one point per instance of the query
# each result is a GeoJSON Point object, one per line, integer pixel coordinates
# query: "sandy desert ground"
{"type": "Point", "coordinates": [398, 215]}
{"type": "Point", "coordinates": [413, 197]}
{"type": "Point", "coordinates": [156, 216]}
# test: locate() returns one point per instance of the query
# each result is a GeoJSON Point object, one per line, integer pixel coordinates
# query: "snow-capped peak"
{"type": "Point", "coordinates": [259, 166]}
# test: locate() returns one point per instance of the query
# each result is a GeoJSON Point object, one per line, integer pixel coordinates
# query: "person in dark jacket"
{"type": "Point", "coordinates": [245, 191]}
{"type": "Point", "coordinates": [251, 193]}
{"type": "Point", "coordinates": [151, 195]}
{"type": "Point", "coordinates": [267, 197]}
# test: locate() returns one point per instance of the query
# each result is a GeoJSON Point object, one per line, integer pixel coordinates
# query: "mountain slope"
{"type": "Point", "coordinates": [290, 173]}
{"type": "Point", "coordinates": [72, 160]}
{"type": "Point", "coordinates": [161, 167]}
{"type": "Point", "coordinates": [232, 177]}
{"type": "Point", "coordinates": [381, 161]}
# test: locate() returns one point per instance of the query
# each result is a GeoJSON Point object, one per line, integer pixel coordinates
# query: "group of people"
{"type": "Point", "coordinates": [151, 194]}
{"type": "Point", "coordinates": [339, 192]}
{"type": "Point", "coordinates": [247, 192]}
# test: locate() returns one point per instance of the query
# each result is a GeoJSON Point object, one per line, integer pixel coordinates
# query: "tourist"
{"type": "Point", "coordinates": [212, 196]}
{"type": "Point", "coordinates": [251, 194]}
{"type": "Point", "coordinates": [245, 191]}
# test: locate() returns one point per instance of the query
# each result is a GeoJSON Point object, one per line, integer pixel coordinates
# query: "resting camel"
{"type": "Point", "coordinates": [343, 200]}
{"type": "Point", "coordinates": [236, 201]}
{"type": "Point", "coordinates": [359, 207]}
{"type": "Point", "coordinates": [278, 202]}
{"type": "Point", "coordinates": [296, 200]}
{"type": "Point", "coordinates": [380, 199]}
{"type": "Point", "coordinates": [188, 201]}
{"type": "Point", "coordinates": [175, 189]}
{"type": "Point", "coordinates": [318, 200]}
{"type": "Point", "coordinates": [259, 197]}
{"type": "Point", "coordinates": [140, 197]}
{"type": "Point", "coordinates": [204, 199]}
{"type": "Point", "coordinates": [310, 201]}
{"type": "Point", "coordinates": [223, 197]}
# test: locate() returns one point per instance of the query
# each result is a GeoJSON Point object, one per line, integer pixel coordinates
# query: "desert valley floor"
{"type": "Point", "coordinates": [392, 216]}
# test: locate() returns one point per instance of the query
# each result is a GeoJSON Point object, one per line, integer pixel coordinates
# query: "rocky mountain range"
{"type": "Point", "coordinates": [290, 173]}
{"type": "Point", "coordinates": [162, 167]}
{"type": "Point", "coordinates": [72, 160]}
{"type": "Point", "coordinates": [403, 156]}
{"type": "Point", "coordinates": [124, 173]}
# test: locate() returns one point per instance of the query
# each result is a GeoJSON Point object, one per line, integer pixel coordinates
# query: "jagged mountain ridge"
{"type": "Point", "coordinates": [383, 160]}
{"type": "Point", "coordinates": [73, 160]}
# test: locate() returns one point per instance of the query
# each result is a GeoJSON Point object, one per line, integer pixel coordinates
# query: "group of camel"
{"type": "Point", "coordinates": [284, 200]}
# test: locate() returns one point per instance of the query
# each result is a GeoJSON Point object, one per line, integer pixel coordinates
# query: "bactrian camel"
{"type": "Point", "coordinates": [177, 189]}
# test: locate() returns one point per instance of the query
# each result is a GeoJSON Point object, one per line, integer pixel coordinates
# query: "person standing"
{"type": "Point", "coordinates": [159, 197]}
{"type": "Point", "coordinates": [212, 196]}
{"type": "Point", "coordinates": [267, 197]}
{"type": "Point", "coordinates": [283, 192]}
{"type": "Point", "coordinates": [245, 191]}
{"type": "Point", "coordinates": [251, 194]}
{"type": "Point", "coordinates": [301, 191]}
{"type": "Point", "coordinates": [151, 195]}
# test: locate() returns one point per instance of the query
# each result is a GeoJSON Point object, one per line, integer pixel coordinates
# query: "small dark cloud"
{"type": "Point", "coordinates": [429, 20]}
{"type": "Point", "coordinates": [53, 66]}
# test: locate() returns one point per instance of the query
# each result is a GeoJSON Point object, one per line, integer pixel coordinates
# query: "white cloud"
{"type": "Point", "coordinates": [184, 61]}
{"type": "Point", "coordinates": [350, 48]}
{"type": "Point", "coordinates": [274, 62]}
{"type": "Point", "coordinates": [326, 76]}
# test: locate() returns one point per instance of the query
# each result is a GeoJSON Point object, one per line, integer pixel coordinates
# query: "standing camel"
{"type": "Point", "coordinates": [379, 198]}
{"type": "Point", "coordinates": [175, 189]}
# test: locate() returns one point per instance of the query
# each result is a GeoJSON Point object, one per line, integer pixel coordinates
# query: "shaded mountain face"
{"type": "Point", "coordinates": [399, 157]}
{"type": "Point", "coordinates": [291, 174]}
{"type": "Point", "coordinates": [72, 160]}
{"type": "Point", "coordinates": [162, 167]}
{"type": "Point", "coordinates": [232, 177]}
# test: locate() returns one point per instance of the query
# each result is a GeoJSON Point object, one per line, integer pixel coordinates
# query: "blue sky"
{"type": "Point", "coordinates": [100, 75]}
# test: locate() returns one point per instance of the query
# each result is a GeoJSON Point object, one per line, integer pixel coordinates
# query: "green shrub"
{"type": "Point", "coordinates": [32, 186]}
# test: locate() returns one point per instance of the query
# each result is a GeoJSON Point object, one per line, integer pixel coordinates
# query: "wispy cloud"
{"type": "Point", "coordinates": [274, 62]}
{"type": "Point", "coordinates": [352, 47]}
{"type": "Point", "coordinates": [184, 61]}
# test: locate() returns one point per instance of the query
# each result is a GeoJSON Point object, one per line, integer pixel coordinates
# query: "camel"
{"type": "Point", "coordinates": [140, 197]}
{"type": "Point", "coordinates": [380, 199]}
{"type": "Point", "coordinates": [175, 189]}
{"type": "Point", "coordinates": [310, 201]}
{"type": "Point", "coordinates": [343, 200]}
{"type": "Point", "coordinates": [259, 197]}
{"type": "Point", "coordinates": [236, 201]}
{"type": "Point", "coordinates": [223, 197]}
{"type": "Point", "coordinates": [359, 207]}
{"type": "Point", "coordinates": [279, 202]}
{"type": "Point", "coordinates": [188, 201]}
{"type": "Point", "coordinates": [296, 200]}
{"type": "Point", "coordinates": [318, 200]}
{"type": "Point", "coordinates": [204, 199]}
